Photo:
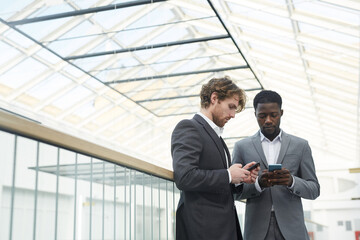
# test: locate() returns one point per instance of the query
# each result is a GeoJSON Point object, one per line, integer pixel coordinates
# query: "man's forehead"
{"type": "Point", "coordinates": [267, 106]}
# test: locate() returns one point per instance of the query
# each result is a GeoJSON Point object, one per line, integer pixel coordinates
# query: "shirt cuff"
{"type": "Point", "coordinates": [293, 183]}
{"type": "Point", "coordinates": [257, 185]}
{"type": "Point", "coordinates": [229, 175]}
{"type": "Point", "coordinates": [237, 184]}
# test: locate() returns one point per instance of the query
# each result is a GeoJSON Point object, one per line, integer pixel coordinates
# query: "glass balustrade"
{"type": "Point", "coordinates": [48, 192]}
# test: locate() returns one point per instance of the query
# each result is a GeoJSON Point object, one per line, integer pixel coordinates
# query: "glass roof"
{"type": "Point", "coordinates": [123, 73]}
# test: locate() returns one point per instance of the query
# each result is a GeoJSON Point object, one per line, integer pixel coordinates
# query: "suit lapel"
{"type": "Point", "coordinates": [258, 147]}
{"type": "Point", "coordinates": [213, 136]}
{"type": "Point", "coordinates": [285, 141]}
{"type": "Point", "coordinates": [227, 151]}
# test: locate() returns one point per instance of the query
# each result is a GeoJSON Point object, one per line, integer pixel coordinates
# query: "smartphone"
{"type": "Point", "coordinates": [253, 166]}
{"type": "Point", "coordinates": [273, 167]}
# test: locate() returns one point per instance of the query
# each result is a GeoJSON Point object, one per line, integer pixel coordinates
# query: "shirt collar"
{"type": "Point", "coordinates": [218, 130]}
{"type": "Point", "coordinates": [278, 137]}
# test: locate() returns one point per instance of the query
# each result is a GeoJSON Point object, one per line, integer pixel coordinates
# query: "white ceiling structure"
{"type": "Point", "coordinates": [123, 73]}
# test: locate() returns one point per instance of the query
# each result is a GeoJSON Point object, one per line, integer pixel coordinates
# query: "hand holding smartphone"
{"type": "Point", "coordinates": [253, 166]}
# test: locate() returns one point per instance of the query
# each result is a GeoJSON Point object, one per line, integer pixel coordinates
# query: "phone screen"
{"type": "Point", "coordinates": [273, 167]}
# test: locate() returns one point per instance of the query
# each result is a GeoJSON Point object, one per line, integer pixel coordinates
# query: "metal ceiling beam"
{"type": "Point", "coordinates": [185, 96]}
{"type": "Point", "coordinates": [83, 11]}
{"type": "Point", "coordinates": [70, 63]}
{"type": "Point", "coordinates": [149, 47]}
{"type": "Point", "coordinates": [177, 74]}
{"type": "Point", "coordinates": [167, 98]}
{"type": "Point", "coordinates": [179, 114]}
{"type": "Point", "coordinates": [176, 114]}
{"type": "Point", "coordinates": [233, 40]}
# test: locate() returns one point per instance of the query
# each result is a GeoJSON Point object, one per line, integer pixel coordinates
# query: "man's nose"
{"type": "Point", "coordinates": [267, 119]}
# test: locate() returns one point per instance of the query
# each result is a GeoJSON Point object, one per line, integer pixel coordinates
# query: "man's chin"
{"type": "Point", "coordinates": [268, 132]}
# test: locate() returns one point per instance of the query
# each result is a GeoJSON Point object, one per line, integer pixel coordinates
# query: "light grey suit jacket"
{"type": "Point", "coordinates": [295, 155]}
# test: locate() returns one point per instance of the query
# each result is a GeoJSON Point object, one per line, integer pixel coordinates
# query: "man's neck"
{"type": "Point", "coordinates": [273, 136]}
{"type": "Point", "coordinates": [206, 113]}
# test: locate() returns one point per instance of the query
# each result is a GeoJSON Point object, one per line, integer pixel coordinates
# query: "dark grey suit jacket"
{"type": "Point", "coordinates": [206, 207]}
{"type": "Point", "coordinates": [295, 155]}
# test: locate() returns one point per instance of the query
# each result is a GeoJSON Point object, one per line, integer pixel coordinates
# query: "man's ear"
{"type": "Point", "coordinates": [213, 97]}
{"type": "Point", "coordinates": [282, 112]}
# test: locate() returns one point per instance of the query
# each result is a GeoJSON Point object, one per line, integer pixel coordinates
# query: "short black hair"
{"type": "Point", "coordinates": [267, 96]}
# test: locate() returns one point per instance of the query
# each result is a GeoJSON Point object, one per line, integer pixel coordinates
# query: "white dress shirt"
{"type": "Point", "coordinates": [271, 150]}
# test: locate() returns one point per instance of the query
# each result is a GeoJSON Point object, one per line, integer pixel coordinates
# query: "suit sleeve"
{"type": "Point", "coordinates": [248, 190]}
{"type": "Point", "coordinates": [306, 183]}
{"type": "Point", "coordinates": [186, 149]}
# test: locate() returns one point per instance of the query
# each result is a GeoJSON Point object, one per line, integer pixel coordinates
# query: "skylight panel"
{"type": "Point", "coordinates": [108, 75]}
{"type": "Point", "coordinates": [157, 16]}
{"type": "Point", "coordinates": [105, 46]}
{"type": "Point", "coordinates": [147, 54]}
{"type": "Point", "coordinates": [193, 65]}
{"type": "Point", "coordinates": [82, 30]}
{"type": "Point", "coordinates": [328, 34]}
{"type": "Point", "coordinates": [173, 34]}
{"type": "Point", "coordinates": [128, 38]}
{"type": "Point", "coordinates": [125, 60]}
{"type": "Point", "coordinates": [250, 13]}
{"type": "Point", "coordinates": [159, 67]}
{"type": "Point", "coordinates": [8, 51]}
{"type": "Point", "coordinates": [52, 7]}
{"type": "Point", "coordinates": [109, 115]}
{"type": "Point", "coordinates": [225, 46]}
{"type": "Point", "coordinates": [10, 8]}
{"type": "Point", "coordinates": [73, 71]}
{"type": "Point", "coordinates": [322, 9]}
{"type": "Point", "coordinates": [206, 25]}
{"type": "Point", "coordinates": [180, 52]}
{"type": "Point", "coordinates": [18, 38]}
{"type": "Point", "coordinates": [241, 9]}
{"type": "Point", "coordinates": [192, 10]}
{"type": "Point", "coordinates": [94, 84]}
{"type": "Point", "coordinates": [69, 45]}
{"type": "Point", "coordinates": [244, 84]}
{"type": "Point", "coordinates": [15, 77]}
{"type": "Point", "coordinates": [84, 4]}
{"type": "Point", "coordinates": [47, 56]}
{"type": "Point", "coordinates": [40, 30]}
{"type": "Point", "coordinates": [86, 110]}
{"type": "Point", "coordinates": [253, 33]}
{"type": "Point", "coordinates": [72, 97]}
{"type": "Point", "coordinates": [331, 46]}
{"type": "Point", "coordinates": [91, 63]}
{"type": "Point", "coordinates": [107, 18]}
{"type": "Point", "coordinates": [272, 49]}
{"type": "Point", "coordinates": [280, 2]}
{"type": "Point", "coordinates": [49, 86]}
